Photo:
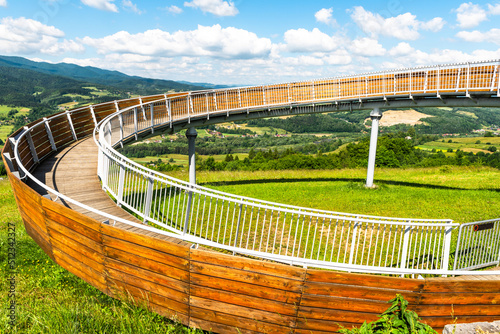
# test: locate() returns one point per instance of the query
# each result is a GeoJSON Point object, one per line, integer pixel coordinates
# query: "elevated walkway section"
{"type": "Point", "coordinates": [73, 172]}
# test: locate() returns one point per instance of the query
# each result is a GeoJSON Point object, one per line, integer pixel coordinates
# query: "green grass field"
{"type": "Point", "coordinates": [5, 130]}
{"type": "Point", "coordinates": [21, 111]}
{"type": "Point", "coordinates": [180, 159]}
{"type": "Point", "coordinates": [465, 144]}
{"type": "Point", "coordinates": [463, 194]}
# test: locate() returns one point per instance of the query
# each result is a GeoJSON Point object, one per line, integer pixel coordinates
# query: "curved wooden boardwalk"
{"type": "Point", "coordinates": [198, 287]}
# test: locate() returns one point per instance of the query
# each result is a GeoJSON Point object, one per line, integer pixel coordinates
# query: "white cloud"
{"type": "Point", "coordinates": [470, 15]}
{"type": "Point", "coordinates": [325, 16]}
{"type": "Point", "coordinates": [339, 57]}
{"type": "Point", "coordinates": [27, 36]}
{"type": "Point", "coordinates": [213, 41]}
{"type": "Point", "coordinates": [367, 47]}
{"type": "Point", "coordinates": [494, 10]}
{"type": "Point", "coordinates": [216, 7]}
{"type": "Point", "coordinates": [302, 40]}
{"type": "Point", "coordinates": [63, 47]}
{"type": "Point", "coordinates": [3, 3]}
{"type": "Point", "coordinates": [174, 9]}
{"type": "Point", "coordinates": [492, 36]}
{"type": "Point", "coordinates": [446, 56]}
{"type": "Point", "coordinates": [434, 25]}
{"type": "Point", "coordinates": [106, 5]}
{"type": "Point", "coordinates": [404, 26]}
{"type": "Point", "coordinates": [127, 4]}
{"type": "Point", "coordinates": [402, 49]}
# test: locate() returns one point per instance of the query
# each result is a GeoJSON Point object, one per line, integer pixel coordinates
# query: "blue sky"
{"type": "Point", "coordinates": [249, 41]}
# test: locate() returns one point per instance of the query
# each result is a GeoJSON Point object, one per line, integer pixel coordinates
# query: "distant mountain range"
{"type": "Point", "coordinates": [94, 75]}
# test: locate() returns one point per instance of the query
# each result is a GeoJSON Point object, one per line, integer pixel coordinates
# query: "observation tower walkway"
{"type": "Point", "coordinates": [267, 274]}
{"type": "Point", "coordinates": [71, 171]}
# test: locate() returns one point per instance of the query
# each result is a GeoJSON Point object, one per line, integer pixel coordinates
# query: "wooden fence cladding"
{"type": "Point", "coordinates": [230, 294]}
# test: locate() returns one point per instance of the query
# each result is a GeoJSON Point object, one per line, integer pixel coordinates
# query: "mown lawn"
{"type": "Point", "coordinates": [463, 194]}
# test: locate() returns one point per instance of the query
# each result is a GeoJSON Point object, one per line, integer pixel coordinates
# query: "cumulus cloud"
{"type": "Point", "coordinates": [174, 9]}
{"type": "Point", "coordinates": [27, 36]}
{"type": "Point", "coordinates": [216, 7]}
{"type": "Point", "coordinates": [106, 5]}
{"type": "Point", "coordinates": [325, 16]}
{"type": "Point", "coordinates": [402, 49]}
{"type": "Point", "coordinates": [494, 9]}
{"type": "Point", "coordinates": [470, 15]}
{"type": "Point", "coordinates": [404, 26]}
{"type": "Point", "coordinates": [367, 47]}
{"type": "Point", "coordinates": [492, 36]}
{"type": "Point", "coordinates": [213, 41]}
{"type": "Point", "coordinates": [339, 57]}
{"type": "Point", "coordinates": [434, 25]}
{"type": "Point", "coordinates": [302, 40]}
{"type": "Point", "coordinates": [127, 4]}
{"type": "Point", "coordinates": [3, 3]}
{"type": "Point", "coordinates": [446, 56]}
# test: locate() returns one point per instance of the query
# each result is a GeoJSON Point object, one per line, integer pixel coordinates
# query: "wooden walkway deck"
{"type": "Point", "coordinates": [73, 172]}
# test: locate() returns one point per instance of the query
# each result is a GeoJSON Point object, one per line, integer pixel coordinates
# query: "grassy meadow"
{"type": "Point", "coordinates": [469, 144]}
{"type": "Point", "coordinates": [6, 121]}
{"type": "Point", "coordinates": [463, 194]}
{"type": "Point", "coordinates": [49, 299]}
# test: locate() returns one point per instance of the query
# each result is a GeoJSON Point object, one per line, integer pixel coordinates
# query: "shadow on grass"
{"type": "Point", "coordinates": [361, 181]}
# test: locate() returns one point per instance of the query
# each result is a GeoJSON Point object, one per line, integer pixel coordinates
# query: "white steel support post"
{"type": "Point", "coordinates": [191, 135]}
{"type": "Point", "coordinates": [149, 200]}
{"type": "Point", "coordinates": [152, 108]}
{"type": "Point", "coordinates": [406, 246]}
{"type": "Point", "coordinates": [446, 248]}
{"type": "Point", "coordinates": [169, 110]}
{"type": "Point", "coordinates": [72, 128]}
{"type": "Point", "coordinates": [120, 118]}
{"type": "Point", "coordinates": [92, 112]}
{"type": "Point", "coordinates": [49, 134]}
{"type": "Point", "coordinates": [13, 143]}
{"type": "Point", "coordinates": [375, 115]}
{"type": "Point", "coordinates": [104, 171]}
{"type": "Point", "coordinates": [135, 123]}
{"type": "Point", "coordinates": [31, 144]}
{"type": "Point", "coordinates": [121, 185]}
{"type": "Point", "coordinates": [10, 164]}
{"type": "Point", "coordinates": [353, 242]}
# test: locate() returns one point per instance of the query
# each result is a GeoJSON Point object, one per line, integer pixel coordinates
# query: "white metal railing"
{"type": "Point", "coordinates": [478, 245]}
{"type": "Point", "coordinates": [266, 229]}
{"type": "Point", "coordinates": [279, 232]}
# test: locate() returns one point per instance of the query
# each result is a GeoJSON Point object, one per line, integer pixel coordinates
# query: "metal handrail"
{"type": "Point", "coordinates": [111, 162]}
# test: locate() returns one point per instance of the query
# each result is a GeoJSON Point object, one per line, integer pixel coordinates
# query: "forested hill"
{"type": "Point", "coordinates": [28, 88]}
{"type": "Point", "coordinates": [138, 85]}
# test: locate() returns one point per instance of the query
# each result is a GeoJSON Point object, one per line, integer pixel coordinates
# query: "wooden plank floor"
{"type": "Point", "coordinates": [73, 172]}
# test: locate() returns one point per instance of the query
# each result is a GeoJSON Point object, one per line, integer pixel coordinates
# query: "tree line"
{"type": "Point", "coordinates": [216, 146]}
{"type": "Point", "coordinates": [393, 151]}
